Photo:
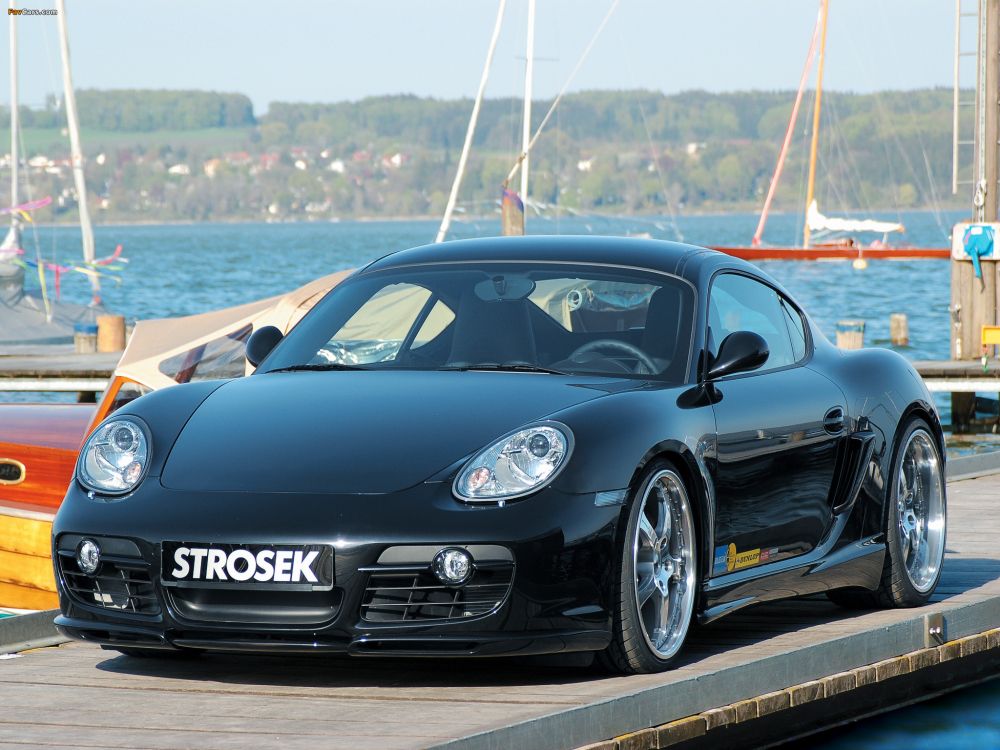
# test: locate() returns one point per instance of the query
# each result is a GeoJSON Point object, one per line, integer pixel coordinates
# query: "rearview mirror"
{"type": "Point", "coordinates": [740, 351]}
{"type": "Point", "coordinates": [261, 342]}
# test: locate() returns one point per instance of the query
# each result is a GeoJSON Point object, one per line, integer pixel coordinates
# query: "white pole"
{"type": "Point", "coordinates": [73, 122]}
{"type": "Point", "coordinates": [471, 130]}
{"type": "Point", "coordinates": [954, 97]}
{"type": "Point", "coordinates": [15, 134]}
{"type": "Point", "coordinates": [529, 70]}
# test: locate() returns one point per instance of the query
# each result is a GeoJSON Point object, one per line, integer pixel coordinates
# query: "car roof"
{"type": "Point", "coordinates": [688, 261]}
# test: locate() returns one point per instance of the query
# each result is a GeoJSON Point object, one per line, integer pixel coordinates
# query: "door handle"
{"type": "Point", "coordinates": [833, 420]}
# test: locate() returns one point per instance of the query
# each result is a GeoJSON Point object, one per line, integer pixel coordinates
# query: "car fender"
{"type": "Point", "coordinates": [884, 388]}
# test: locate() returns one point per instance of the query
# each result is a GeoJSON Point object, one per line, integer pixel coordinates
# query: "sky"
{"type": "Point", "coordinates": [293, 50]}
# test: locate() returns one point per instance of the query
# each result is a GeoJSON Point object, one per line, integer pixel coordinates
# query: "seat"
{"type": "Point", "coordinates": [496, 332]}
{"type": "Point", "coordinates": [664, 317]}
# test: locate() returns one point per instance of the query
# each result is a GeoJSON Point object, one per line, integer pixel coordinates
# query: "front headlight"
{"type": "Point", "coordinates": [516, 464]}
{"type": "Point", "coordinates": [114, 459]}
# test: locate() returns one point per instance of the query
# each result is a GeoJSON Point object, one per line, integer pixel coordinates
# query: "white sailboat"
{"type": "Point", "coordinates": [29, 319]}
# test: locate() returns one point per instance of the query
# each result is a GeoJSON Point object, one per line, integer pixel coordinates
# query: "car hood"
{"type": "Point", "coordinates": [357, 432]}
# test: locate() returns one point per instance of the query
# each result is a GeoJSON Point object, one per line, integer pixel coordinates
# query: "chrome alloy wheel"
{"type": "Point", "coordinates": [921, 510]}
{"type": "Point", "coordinates": [663, 555]}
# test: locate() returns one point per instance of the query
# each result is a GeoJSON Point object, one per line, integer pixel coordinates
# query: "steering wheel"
{"type": "Point", "coordinates": [622, 346]}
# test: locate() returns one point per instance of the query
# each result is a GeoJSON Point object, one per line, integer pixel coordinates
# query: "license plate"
{"type": "Point", "coordinates": [297, 565]}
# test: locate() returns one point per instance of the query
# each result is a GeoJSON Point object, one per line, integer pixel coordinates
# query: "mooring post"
{"type": "Point", "coordinates": [850, 334]}
{"type": "Point", "coordinates": [899, 329]}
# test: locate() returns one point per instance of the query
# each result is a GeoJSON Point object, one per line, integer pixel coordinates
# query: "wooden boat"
{"type": "Point", "coordinates": [847, 248]}
{"type": "Point", "coordinates": [38, 449]}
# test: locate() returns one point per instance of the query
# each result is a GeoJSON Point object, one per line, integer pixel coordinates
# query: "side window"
{"type": "Point", "coordinates": [739, 303]}
{"type": "Point", "coordinates": [796, 329]}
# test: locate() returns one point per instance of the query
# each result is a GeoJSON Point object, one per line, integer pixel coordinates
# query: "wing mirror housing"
{"type": "Point", "coordinates": [741, 351]}
{"type": "Point", "coordinates": [261, 342]}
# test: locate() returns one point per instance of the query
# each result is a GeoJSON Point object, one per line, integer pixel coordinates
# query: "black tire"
{"type": "Point", "coordinates": [630, 651]}
{"type": "Point", "coordinates": [895, 589]}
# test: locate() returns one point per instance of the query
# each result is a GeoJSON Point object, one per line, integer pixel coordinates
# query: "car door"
{"type": "Point", "coordinates": [778, 430]}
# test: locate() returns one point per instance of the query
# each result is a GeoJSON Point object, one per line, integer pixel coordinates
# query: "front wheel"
{"type": "Point", "coordinates": [916, 525]}
{"type": "Point", "coordinates": [657, 575]}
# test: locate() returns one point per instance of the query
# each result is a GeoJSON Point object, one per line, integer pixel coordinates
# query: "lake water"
{"type": "Point", "coordinates": [184, 269]}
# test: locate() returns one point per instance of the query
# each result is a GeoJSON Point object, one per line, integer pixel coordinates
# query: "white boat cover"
{"type": "Point", "coordinates": [818, 222]}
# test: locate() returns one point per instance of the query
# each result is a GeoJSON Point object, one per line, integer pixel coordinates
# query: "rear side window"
{"type": "Point", "coordinates": [796, 329]}
{"type": "Point", "coordinates": [739, 303]}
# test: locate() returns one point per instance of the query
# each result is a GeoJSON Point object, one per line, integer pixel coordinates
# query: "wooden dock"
{"type": "Point", "coordinates": [773, 666]}
{"type": "Point", "coordinates": [67, 372]}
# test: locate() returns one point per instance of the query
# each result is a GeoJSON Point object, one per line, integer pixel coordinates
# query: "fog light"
{"type": "Point", "coordinates": [88, 556]}
{"type": "Point", "coordinates": [452, 566]}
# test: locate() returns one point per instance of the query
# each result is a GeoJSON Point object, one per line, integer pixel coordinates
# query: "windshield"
{"type": "Point", "coordinates": [545, 317]}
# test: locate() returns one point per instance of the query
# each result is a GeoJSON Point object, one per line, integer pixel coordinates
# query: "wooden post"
{"type": "Point", "coordinates": [974, 301]}
{"type": "Point", "coordinates": [899, 329]}
{"type": "Point", "coordinates": [962, 411]}
{"type": "Point", "coordinates": [851, 334]}
{"type": "Point", "coordinates": [110, 333]}
{"type": "Point", "coordinates": [85, 338]}
{"type": "Point", "coordinates": [987, 167]}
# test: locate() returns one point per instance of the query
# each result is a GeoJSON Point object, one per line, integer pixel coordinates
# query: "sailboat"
{"type": "Point", "coordinates": [847, 247]}
{"type": "Point", "coordinates": [31, 321]}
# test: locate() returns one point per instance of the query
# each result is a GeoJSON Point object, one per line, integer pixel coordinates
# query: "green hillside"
{"type": "Point", "coordinates": [182, 155]}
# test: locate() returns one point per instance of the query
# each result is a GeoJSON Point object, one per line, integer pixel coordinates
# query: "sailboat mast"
{"type": "Point", "coordinates": [528, 80]}
{"type": "Point", "coordinates": [76, 153]}
{"type": "Point", "coordinates": [811, 185]}
{"type": "Point", "coordinates": [13, 239]}
{"type": "Point", "coordinates": [471, 130]}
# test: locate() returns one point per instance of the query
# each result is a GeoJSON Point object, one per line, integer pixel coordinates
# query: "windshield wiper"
{"type": "Point", "coordinates": [319, 367]}
{"type": "Point", "coordinates": [512, 367]}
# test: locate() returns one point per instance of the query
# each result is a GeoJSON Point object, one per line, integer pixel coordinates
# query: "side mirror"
{"type": "Point", "coordinates": [740, 351]}
{"type": "Point", "coordinates": [261, 342]}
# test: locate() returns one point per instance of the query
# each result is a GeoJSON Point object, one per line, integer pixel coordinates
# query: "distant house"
{"type": "Point", "coordinates": [338, 166]}
{"type": "Point", "coordinates": [181, 169]}
{"type": "Point", "coordinates": [212, 167]}
{"type": "Point", "coordinates": [395, 161]}
{"type": "Point", "coordinates": [268, 161]}
{"type": "Point", "coordinates": [585, 165]}
{"type": "Point", "coordinates": [38, 162]}
{"type": "Point", "coordinates": [301, 165]}
{"type": "Point", "coordinates": [239, 159]}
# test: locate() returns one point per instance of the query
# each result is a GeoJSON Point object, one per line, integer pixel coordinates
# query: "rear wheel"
{"type": "Point", "coordinates": [657, 575]}
{"type": "Point", "coordinates": [916, 524]}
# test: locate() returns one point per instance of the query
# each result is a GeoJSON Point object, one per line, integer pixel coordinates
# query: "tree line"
{"type": "Point", "coordinates": [612, 151]}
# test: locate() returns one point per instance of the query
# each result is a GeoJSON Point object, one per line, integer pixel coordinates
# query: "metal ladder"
{"type": "Point", "coordinates": [964, 106]}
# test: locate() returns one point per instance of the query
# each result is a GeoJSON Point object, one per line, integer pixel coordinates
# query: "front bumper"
{"type": "Point", "coordinates": [547, 560]}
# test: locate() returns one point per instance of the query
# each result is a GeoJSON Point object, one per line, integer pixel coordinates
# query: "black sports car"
{"type": "Point", "coordinates": [509, 446]}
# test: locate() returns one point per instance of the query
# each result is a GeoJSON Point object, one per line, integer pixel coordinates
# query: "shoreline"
{"type": "Point", "coordinates": [468, 218]}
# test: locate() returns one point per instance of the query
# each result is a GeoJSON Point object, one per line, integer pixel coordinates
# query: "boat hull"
{"type": "Point", "coordinates": [44, 439]}
{"type": "Point", "coordinates": [753, 254]}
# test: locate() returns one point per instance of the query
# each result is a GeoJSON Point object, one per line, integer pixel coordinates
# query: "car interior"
{"type": "Point", "coordinates": [620, 327]}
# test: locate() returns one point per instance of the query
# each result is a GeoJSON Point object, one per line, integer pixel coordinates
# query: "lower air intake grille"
{"type": "Point", "coordinates": [119, 585]}
{"type": "Point", "coordinates": [416, 595]}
